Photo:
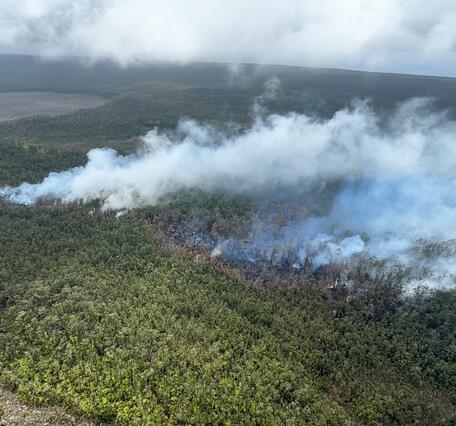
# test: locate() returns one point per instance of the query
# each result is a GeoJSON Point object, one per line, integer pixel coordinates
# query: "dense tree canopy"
{"type": "Point", "coordinates": [97, 315]}
{"type": "Point", "coordinates": [116, 318]}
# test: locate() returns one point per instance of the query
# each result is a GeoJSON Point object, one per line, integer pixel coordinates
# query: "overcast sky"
{"type": "Point", "coordinates": [410, 36]}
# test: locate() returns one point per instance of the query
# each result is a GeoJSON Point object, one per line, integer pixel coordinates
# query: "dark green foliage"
{"type": "Point", "coordinates": [103, 318]}
{"type": "Point", "coordinates": [23, 162]}
{"type": "Point", "coordinates": [160, 95]}
{"type": "Point", "coordinates": [98, 316]}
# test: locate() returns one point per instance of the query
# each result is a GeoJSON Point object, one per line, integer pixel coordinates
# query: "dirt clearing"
{"type": "Point", "coordinates": [15, 413]}
{"type": "Point", "coordinates": [14, 105]}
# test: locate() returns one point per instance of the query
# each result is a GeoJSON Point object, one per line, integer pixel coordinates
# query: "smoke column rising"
{"type": "Point", "coordinates": [398, 175]}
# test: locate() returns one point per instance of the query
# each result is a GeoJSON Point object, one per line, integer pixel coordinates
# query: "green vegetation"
{"type": "Point", "coordinates": [98, 315]}
{"type": "Point", "coordinates": [144, 97]}
{"type": "Point", "coordinates": [101, 315]}
{"type": "Point", "coordinates": [23, 162]}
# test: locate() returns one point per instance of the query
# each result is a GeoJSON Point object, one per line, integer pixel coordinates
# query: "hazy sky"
{"type": "Point", "coordinates": [411, 36]}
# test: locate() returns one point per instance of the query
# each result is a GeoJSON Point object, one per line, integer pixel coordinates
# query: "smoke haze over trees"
{"type": "Point", "coordinates": [396, 178]}
{"type": "Point", "coordinates": [227, 242]}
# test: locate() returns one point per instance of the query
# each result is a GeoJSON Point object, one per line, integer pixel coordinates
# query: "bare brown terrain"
{"type": "Point", "coordinates": [15, 413]}
{"type": "Point", "coordinates": [14, 105]}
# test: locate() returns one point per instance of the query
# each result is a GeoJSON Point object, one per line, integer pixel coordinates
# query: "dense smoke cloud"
{"type": "Point", "coordinates": [397, 176]}
{"type": "Point", "coordinates": [414, 36]}
{"type": "Point", "coordinates": [414, 145]}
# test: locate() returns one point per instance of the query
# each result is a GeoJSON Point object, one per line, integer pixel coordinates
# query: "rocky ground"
{"type": "Point", "coordinates": [15, 413]}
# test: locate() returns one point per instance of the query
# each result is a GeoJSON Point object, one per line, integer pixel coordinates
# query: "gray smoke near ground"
{"type": "Point", "coordinates": [397, 177]}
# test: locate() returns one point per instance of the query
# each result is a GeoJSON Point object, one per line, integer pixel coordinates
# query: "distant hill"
{"type": "Point", "coordinates": [334, 86]}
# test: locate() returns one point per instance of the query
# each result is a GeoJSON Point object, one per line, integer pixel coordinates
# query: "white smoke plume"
{"type": "Point", "coordinates": [397, 175]}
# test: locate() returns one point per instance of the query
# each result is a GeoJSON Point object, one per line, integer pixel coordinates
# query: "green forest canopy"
{"type": "Point", "coordinates": [102, 316]}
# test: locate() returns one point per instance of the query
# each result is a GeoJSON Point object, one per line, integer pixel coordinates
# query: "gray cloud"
{"type": "Point", "coordinates": [407, 36]}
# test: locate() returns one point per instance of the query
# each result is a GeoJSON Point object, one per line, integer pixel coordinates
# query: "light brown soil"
{"type": "Point", "coordinates": [14, 105]}
{"type": "Point", "coordinates": [15, 413]}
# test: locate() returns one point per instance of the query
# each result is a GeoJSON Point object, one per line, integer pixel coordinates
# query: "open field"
{"type": "Point", "coordinates": [15, 105]}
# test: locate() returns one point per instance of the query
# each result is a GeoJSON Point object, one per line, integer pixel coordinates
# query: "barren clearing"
{"type": "Point", "coordinates": [14, 105]}
{"type": "Point", "coordinates": [13, 412]}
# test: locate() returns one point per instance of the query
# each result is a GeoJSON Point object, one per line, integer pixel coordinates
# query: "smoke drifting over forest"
{"type": "Point", "coordinates": [396, 175]}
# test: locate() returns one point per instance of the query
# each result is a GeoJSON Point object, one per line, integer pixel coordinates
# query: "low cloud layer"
{"type": "Point", "coordinates": [414, 36]}
{"type": "Point", "coordinates": [397, 176]}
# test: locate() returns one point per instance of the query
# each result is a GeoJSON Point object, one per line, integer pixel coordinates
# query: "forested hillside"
{"type": "Point", "coordinates": [117, 317]}
{"type": "Point", "coordinates": [99, 316]}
